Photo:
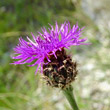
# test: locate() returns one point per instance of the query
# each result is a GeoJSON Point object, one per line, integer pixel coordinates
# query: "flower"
{"type": "Point", "coordinates": [46, 44]}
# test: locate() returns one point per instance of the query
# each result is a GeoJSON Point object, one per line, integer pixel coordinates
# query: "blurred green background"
{"type": "Point", "coordinates": [20, 89]}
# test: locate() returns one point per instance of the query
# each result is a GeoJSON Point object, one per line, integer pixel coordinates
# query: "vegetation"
{"type": "Point", "coordinates": [20, 89]}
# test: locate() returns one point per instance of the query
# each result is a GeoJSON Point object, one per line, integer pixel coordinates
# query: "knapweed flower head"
{"type": "Point", "coordinates": [48, 47]}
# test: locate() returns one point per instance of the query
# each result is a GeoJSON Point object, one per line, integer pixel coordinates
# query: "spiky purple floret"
{"type": "Point", "coordinates": [47, 43]}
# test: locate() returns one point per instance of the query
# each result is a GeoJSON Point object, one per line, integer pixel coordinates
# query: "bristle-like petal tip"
{"type": "Point", "coordinates": [54, 39]}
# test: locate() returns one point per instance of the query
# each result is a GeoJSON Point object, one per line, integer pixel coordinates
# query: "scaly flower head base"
{"type": "Point", "coordinates": [61, 71]}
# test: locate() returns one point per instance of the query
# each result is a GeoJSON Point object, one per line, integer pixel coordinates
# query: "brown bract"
{"type": "Point", "coordinates": [59, 72]}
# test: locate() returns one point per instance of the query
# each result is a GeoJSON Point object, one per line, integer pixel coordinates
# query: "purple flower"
{"type": "Point", "coordinates": [47, 43]}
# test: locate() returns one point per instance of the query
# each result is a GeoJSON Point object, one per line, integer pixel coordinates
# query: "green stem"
{"type": "Point", "coordinates": [68, 92]}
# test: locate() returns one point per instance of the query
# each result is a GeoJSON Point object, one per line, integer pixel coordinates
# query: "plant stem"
{"type": "Point", "coordinates": [68, 92]}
